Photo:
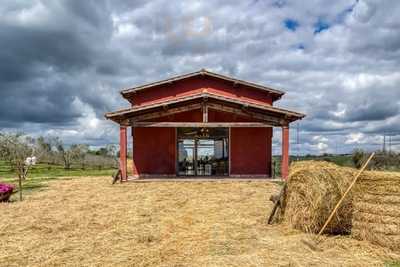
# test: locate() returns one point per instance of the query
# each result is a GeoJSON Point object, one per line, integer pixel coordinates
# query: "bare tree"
{"type": "Point", "coordinates": [65, 154]}
{"type": "Point", "coordinates": [79, 153]}
{"type": "Point", "coordinates": [19, 151]}
{"type": "Point", "coordinates": [71, 154]}
{"type": "Point", "coordinates": [112, 151]}
{"type": "Point", "coordinates": [44, 150]}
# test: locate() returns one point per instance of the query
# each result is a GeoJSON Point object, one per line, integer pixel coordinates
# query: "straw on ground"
{"type": "Point", "coordinates": [87, 221]}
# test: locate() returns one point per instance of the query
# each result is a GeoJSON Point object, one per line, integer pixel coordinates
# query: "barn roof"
{"type": "Point", "coordinates": [203, 72]}
{"type": "Point", "coordinates": [127, 113]}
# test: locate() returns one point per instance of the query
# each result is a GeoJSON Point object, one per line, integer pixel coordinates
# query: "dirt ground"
{"type": "Point", "coordinates": [88, 221]}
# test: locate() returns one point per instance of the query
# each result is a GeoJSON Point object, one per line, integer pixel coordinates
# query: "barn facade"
{"type": "Point", "coordinates": [202, 124]}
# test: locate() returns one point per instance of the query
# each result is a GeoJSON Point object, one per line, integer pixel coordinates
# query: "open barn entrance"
{"type": "Point", "coordinates": [203, 151]}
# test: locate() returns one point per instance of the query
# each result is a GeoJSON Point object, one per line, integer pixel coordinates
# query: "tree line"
{"type": "Point", "coordinates": [383, 160]}
{"type": "Point", "coordinates": [53, 151]}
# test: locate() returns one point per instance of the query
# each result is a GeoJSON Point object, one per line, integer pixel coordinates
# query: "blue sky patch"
{"type": "Point", "coordinates": [300, 46]}
{"type": "Point", "coordinates": [291, 24]}
{"type": "Point", "coordinates": [320, 26]}
{"type": "Point", "coordinates": [342, 15]}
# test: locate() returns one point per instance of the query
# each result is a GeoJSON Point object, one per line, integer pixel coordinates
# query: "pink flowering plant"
{"type": "Point", "coordinates": [6, 191]}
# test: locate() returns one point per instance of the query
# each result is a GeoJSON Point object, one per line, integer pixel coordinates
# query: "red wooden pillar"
{"type": "Point", "coordinates": [285, 152]}
{"type": "Point", "coordinates": [123, 152]}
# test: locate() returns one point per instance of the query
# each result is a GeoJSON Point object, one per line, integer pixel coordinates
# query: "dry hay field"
{"type": "Point", "coordinates": [89, 222]}
{"type": "Point", "coordinates": [370, 212]}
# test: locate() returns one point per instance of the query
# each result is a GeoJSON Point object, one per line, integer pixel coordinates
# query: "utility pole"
{"type": "Point", "coordinates": [298, 141]}
{"type": "Point", "coordinates": [384, 143]}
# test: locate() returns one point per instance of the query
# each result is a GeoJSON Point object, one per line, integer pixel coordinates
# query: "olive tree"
{"type": "Point", "coordinates": [46, 150]}
{"type": "Point", "coordinates": [112, 152]}
{"type": "Point", "coordinates": [70, 154]}
{"type": "Point", "coordinates": [79, 153]}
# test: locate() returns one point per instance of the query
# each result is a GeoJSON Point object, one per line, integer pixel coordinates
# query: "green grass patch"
{"type": "Point", "coordinates": [42, 173]}
{"type": "Point", "coordinates": [341, 160]}
{"type": "Point", "coordinates": [49, 170]}
{"type": "Point", "coordinates": [392, 264]}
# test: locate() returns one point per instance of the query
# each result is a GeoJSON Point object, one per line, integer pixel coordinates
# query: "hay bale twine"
{"type": "Point", "coordinates": [376, 215]}
{"type": "Point", "coordinates": [313, 190]}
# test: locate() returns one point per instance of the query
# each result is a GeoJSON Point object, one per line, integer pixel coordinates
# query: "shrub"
{"type": "Point", "coordinates": [5, 191]}
{"type": "Point", "coordinates": [358, 157]}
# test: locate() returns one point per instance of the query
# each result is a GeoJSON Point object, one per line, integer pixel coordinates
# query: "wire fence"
{"type": "Point", "coordinates": [339, 148]}
{"type": "Point", "coordinates": [319, 143]}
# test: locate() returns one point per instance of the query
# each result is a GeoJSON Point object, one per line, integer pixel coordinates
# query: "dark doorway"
{"type": "Point", "coordinates": [203, 151]}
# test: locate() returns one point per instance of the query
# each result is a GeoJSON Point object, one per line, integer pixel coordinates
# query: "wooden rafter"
{"type": "Point", "coordinates": [202, 124]}
{"type": "Point", "coordinates": [266, 118]}
{"type": "Point", "coordinates": [204, 108]}
{"type": "Point", "coordinates": [123, 116]}
{"type": "Point", "coordinates": [163, 113]}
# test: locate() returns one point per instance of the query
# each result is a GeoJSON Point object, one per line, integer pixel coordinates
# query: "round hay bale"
{"type": "Point", "coordinates": [313, 190]}
{"type": "Point", "coordinates": [376, 215]}
{"type": "Point", "coordinates": [389, 241]}
{"type": "Point", "coordinates": [379, 218]}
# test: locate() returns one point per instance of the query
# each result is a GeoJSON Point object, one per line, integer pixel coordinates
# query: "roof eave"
{"type": "Point", "coordinates": [129, 91]}
{"type": "Point", "coordinates": [291, 115]}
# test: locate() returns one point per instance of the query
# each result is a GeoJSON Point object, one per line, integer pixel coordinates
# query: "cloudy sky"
{"type": "Point", "coordinates": [62, 63]}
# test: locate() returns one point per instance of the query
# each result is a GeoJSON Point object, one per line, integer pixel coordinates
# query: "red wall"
{"type": "Point", "coordinates": [196, 85]}
{"type": "Point", "coordinates": [154, 151]}
{"type": "Point", "coordinates": [251, 151]}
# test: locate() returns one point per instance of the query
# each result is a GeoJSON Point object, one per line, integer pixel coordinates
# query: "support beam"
{"type": "Point", "coordinates": [246, 113]}
{"type": "Point", "coordinates": [123, 147]}
{"type": "Point", "coordinates": [205, 112]}
{"type": "Point", "coordinates": [165, 112]}
{"type": "Point", "coordinates": [285, 153]}
{"type": "Point", "coordinates": [244, 110]}
{"type": "Point", "coordinates": [202, 124]}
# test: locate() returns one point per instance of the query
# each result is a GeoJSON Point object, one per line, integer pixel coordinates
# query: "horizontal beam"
{"type": "Point", "coordinates": [243, 112]}
{"type": "Point", "coordinates": [164, 113]}
{"type": "Point", "coordinates": [204, 108]}
{"type": "Point", "coordinates": [201, 124]}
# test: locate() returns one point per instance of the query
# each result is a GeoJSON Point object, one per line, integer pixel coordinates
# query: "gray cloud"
{"type": "Point", "coordinates": [62, 63]}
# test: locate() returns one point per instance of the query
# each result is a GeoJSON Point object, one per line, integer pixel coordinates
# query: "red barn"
{"type": "Point", "coordinates": [202, 124]}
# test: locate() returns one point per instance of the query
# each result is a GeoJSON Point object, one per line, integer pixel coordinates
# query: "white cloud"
{"type": "Point", "coordinates": [322, 147]}
{"type": "Point", "coordinates": [355, 138]}
{"type": "Point", "coordinates": [74, 56]}
{"type": "Point", "coordinates": [320, 138]}
{"type": "Point", "coordinates": [340, 112]}
{"type": "Point", "coordinates": [363, 11]}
